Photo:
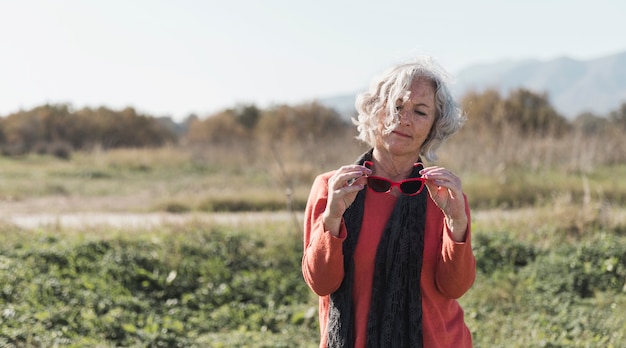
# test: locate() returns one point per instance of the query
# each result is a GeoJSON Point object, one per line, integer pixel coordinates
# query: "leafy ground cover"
{"type": "Point", "coordinates": [198, 285]}
{"type": "Point", "coordinates": [180, 287]}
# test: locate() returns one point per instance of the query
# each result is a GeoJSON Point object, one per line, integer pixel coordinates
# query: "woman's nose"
{"type": "Point", "coordinates": [403, 117]}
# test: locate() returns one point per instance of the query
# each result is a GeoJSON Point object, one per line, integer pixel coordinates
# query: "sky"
{"type": "Point", "coordinates": [183, 57]}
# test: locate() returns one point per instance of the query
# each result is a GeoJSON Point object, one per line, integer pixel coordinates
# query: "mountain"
{"type": "Point", "coordinates": [573, 86]}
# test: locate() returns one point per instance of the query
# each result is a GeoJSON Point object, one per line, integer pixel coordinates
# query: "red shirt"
{"type": "Point", "coordinates": [448, 267]}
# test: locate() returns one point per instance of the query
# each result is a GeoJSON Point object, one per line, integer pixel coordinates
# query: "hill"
{"type": "Point", "coordinates": [573, 86]}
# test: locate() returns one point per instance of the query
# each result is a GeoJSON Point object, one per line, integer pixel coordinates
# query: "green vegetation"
{"type": "Point", "coordinates": [570, 296]}
{"type": "Point", "coordinates": [547, 198]}
{"type": "Point", "coordinates": [178, 287]}
{"type": "Point", "coordinates": [219, 286]}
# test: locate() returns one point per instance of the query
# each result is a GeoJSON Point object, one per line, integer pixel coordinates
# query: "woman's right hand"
{"type": "Point", "coordinates": [343, 187]}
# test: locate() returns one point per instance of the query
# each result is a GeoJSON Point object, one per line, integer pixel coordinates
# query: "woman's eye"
{"type": "Point", "coordinates": [421, 113]}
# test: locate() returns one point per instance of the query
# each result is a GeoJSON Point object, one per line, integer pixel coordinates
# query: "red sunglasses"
{"type": "Point", "coordinates": [409, 187]}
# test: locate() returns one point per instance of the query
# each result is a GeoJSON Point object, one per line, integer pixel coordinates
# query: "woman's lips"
{"type": "Point", "coordinates": [404, 135]}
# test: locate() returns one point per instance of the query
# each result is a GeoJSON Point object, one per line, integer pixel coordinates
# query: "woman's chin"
{"type": "Point", "coordinates": [401, 150]}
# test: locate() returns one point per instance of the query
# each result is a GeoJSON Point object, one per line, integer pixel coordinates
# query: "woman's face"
{"type": "Point", "coordinates": [416, 115]}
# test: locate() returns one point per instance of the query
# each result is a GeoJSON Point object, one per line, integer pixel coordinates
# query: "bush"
{"type": "Point", "coordinates": [581, 269]}
{"type": "Point", "coordinates": [499, 251]}
{"type": "Point", "coordinates": [166, 290]}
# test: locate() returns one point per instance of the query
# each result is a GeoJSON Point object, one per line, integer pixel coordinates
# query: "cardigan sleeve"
{"type": "Point", "coordinates": [322, 261]}
{"type": "Point", "coordinates": [456, 269]}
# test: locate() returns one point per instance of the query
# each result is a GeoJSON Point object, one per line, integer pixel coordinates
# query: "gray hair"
{"type": "Point", "coordinates": [394, 85]}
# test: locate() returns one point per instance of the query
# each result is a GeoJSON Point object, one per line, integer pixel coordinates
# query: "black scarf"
{"type": "Point", "coordinates": [395, 316]}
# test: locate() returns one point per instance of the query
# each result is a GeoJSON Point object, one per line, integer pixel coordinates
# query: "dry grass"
{"type": "Point", "coordinates": [498, 171]}
{"type": "Point", "coordinates": [490, 152]}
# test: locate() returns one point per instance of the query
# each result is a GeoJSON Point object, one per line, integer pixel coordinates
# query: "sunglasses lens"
{"type": "Point", "coordinates": [378, 185]}
{"type": "Point", "coordinates": [411, 187]}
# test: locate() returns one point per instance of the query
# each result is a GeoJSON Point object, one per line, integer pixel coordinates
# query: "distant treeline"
{"type": "Point", "coordinates": [59, 129]}
{"type": "Point", "coordinates": [529, 113]}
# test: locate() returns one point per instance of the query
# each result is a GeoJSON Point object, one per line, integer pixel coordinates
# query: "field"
{"type": "Point", "coordinates": [216, 261]}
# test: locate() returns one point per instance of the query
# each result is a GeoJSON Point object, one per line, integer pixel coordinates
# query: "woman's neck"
{"type": "Point", "coordinates": [391, 166]}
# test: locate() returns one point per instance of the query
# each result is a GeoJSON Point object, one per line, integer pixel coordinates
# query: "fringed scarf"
{"type": "Point", "coordinates": [395, 316]}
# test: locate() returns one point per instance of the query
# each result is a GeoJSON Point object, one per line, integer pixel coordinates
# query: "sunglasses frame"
{"type": "Point", "coordinates": [397, 184]}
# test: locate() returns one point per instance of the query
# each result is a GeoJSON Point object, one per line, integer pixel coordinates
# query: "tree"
{"type": "Point", "coordinates": [588, 123]}
{"type": "Point", "coordinates": [247, 115]}
{"type": "Point", "coordinates": [483, 110]}
{"type": "Point", "coordinates": [305, 121]}
{"type": "Point", "coordinates": [523, 110]}
{"type": "Point", "coordinates": [533, 114]}
{"type": "Point", "coordinates": [221, 128]}
{"type": "Point", "coordinates": [618, 117]}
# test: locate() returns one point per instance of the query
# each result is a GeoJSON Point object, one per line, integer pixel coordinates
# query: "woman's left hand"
{"type": "Point", "coordinates": [446, 191]}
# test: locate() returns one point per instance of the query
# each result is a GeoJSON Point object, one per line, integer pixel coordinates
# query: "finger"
{"type": "Point", "coordinates": [348, 190]}
{"type": "Point", "coordinates": [441, 177]}
{"type": "Point", "coordinates": [437, 172]}
{"type": "Point", "coordinates": [349, 178]}
{"type": "Point", "coordinates": [432, 186]}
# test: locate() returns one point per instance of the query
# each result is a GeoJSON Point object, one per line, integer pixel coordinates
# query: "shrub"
{"type": "Point", "coordinates": [164, 290]}
{"type": "Point", "coordinates": [499, 251]}
{"type": "Point", "coordinates": [581, 269]}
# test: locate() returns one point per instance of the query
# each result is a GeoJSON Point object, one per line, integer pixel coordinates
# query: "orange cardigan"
{"type": "Point", "coordinates": [448, 268]}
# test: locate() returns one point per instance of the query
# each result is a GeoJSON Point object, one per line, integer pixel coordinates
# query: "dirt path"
{"type": "Point", "coordinates": [30, 220]}
{"type": "Point", "coordinates": [140, 220]}
{"type": "Point", "coordinates": [118, 211]}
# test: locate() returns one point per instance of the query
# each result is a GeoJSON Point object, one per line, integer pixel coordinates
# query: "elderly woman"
{"type": "Point", "coordinates": [388, 262]}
